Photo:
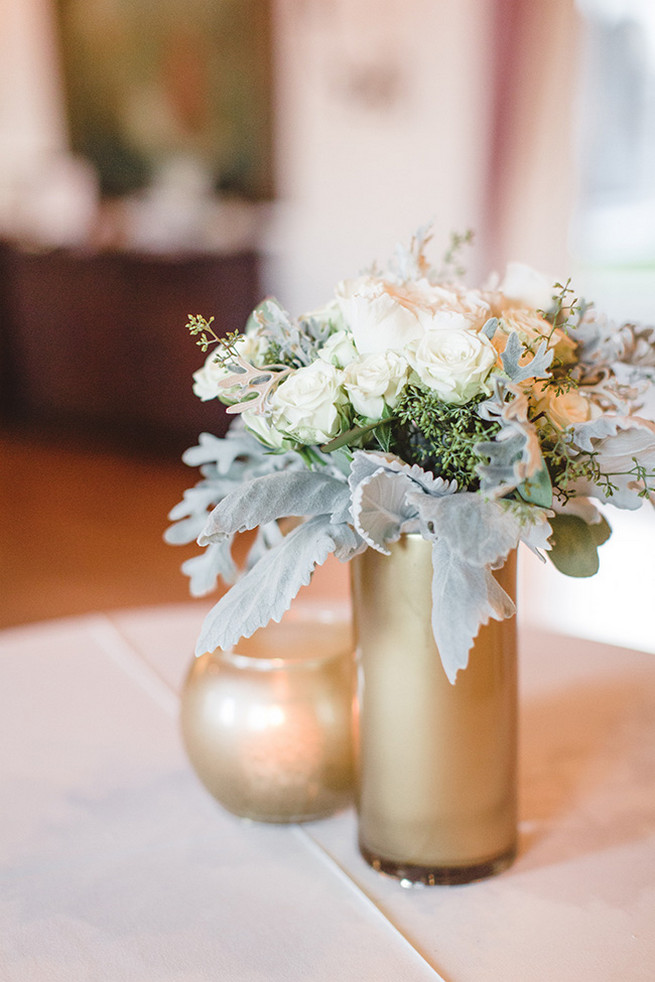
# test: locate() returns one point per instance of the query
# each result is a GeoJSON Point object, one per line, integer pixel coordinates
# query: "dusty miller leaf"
{"type": "Point", "coordinates": [478, 530]}
{"type": "Point", "coordinates": [464, 597]}
{"type": "Point", "coordinates": [274, 496]}
{"type": "Point", "coordinates": [367, 462]}
{"type": "Point", "coordinates": [490, 327]}
{"type": "Point", "coordinates": [266, 591]}
{"type": "Point", "coordinates": [268, 536]}
{"type": "Point", "coordinates": [535, 533]}
{"type": "Point", "coordinates": [583, 434]}
{"type": "Point", "coordinates": [222, 451]}
{"type": "Point", "coordinates": [537, 367]}
{"type": "Point", "coordinates": [380, 508]}
{"type": "Point", "coordinates": [204, 570]}
{"type": "Point", "coordinates": [514, 453]}
{"type": "Point", "coordinates": [383, 488]}
{"type": "Point", "coordinates": [615, 456]}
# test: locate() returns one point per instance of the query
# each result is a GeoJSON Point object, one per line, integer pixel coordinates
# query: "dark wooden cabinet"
{"type": "Point", "coordinates": [99, 339]}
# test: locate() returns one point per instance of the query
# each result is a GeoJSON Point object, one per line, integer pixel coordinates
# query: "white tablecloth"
{"type": "Point", "coordinates": [117, 865]}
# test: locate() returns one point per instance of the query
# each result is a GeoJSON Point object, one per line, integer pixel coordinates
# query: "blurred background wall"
{"type": "Point", "coordinates": [382, 119]}
{"type": "Point", "coordinates": [157, 160]}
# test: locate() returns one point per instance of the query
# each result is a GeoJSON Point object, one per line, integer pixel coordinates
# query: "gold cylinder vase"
{"type": "Point", "coordinates": [437, 762]}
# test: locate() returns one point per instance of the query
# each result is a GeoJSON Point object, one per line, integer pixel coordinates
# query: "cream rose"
{"type": "Point", "coordinates": [386, 316]}
{"type": "Point", "coordinates": [374, 381]}
{"type": "Point", "coordinates": [380, 315]}
{"type": "Point", "coordinates": [305, 404]}
{"type": "Point", "coordinates": [453, 309]}
{"type": "Point", "coordinates": [564, 408]}
{"type": "Point", "coordinates": [531, 327]}
{"type": "Point", "coordinates": [454, 364]}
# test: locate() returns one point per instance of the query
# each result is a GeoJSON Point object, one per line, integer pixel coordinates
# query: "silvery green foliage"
{"type": "Point", "coordinates": [536, 531]}
{"type": "Point", "coordinates": [382, 488]}
{"type": "Point", "coordinates": [471, 535]}
{"type": "Point", "coordinates": [472, 596]}
{"type": "Point", "coordinates": [189, 514]}
{"type": "Point", "coordinates": [266, 591]}
{"type": "Point", "coordinates": [225, 465]}
{"type": "Point", "coordinates": [203, 570]}
{"type": "Point", "coordinates": [366, 462]}
{"type": "Point", "coordinates": [479, 530]}
{"type": "Point", "coordinates": [490, 327]}
{"type": "Point", "coordinates": [268, 536]}
{"type": "Point", "coordinates": [585, 435]}
{"type": "Point", "coordinates": [383, 498]}
{"type": "Point", "coordinates": [225, 453]}
{"type": "Point", "coordinates": [294, 341]}
{"type": "Point", "coordinates": [381, 509]}
{"type": "Point", "coordinates": [318, 329]}
{"type": "Point", "coordinates": [514, 453]}
{"type": "Point", "coordinates": [602, 342]}
{"type": "Point", "coordinates": [537, 367]}
{"type": "Point", "coordinates": [273, 496]}
{"type": "Point", "coordinates": [615, 453]}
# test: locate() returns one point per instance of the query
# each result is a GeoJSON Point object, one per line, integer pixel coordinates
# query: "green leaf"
{"type": "Point", "coordinates": [538, 490]}
{"type": "Point", "coordinates": [601, 531]}
{"type": "Point", "coordinates": [350, 436]}
{"type": "Point", "coordinates": [575, 544]}
{"type": "Point", "coordinates": [383, 435]}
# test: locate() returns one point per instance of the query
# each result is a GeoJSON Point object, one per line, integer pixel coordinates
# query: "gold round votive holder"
{"type": "Point", "coordinates": [268, 726]}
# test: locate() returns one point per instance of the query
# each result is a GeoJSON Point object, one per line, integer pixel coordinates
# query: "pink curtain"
{"type": "Point", "coordinates": [531, 169]}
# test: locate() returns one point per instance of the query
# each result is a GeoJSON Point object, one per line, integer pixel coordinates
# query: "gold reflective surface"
{"type": "Point", "coordinates": [268, 728]}
{"type": "Point", "coordinates": [437, 763]}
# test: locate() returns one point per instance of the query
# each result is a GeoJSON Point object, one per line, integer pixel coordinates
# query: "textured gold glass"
{"type": "Point", "coordinates": [268, 728]}
{"type": "Point", "coordinates": [437, 762]}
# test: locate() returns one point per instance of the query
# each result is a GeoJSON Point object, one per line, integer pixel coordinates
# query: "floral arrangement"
{"type": "Point", "coordinates": [411, 403]}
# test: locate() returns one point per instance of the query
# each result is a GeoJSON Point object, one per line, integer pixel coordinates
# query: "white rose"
{"type": "Point", "coordinates": [305, 404]}
{"type": "Point", "coordinates": [206, 379]}
{"type": "Point", "coordinates": [454, 364]}
{"type": "Point", "coordinates": [380, 315]}
{"type": "Point", "coordinates": [261, 427]}
{"type": "Point", "coordinates": [526, 286]}
{"type": "Point", "coordinates": [339, 349]}
{"type": "Point", "coordinates": [375, 380]}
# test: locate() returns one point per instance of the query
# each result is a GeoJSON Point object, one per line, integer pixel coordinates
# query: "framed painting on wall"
{"type": "Point", "coordinates": [148, 81]}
